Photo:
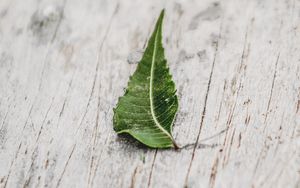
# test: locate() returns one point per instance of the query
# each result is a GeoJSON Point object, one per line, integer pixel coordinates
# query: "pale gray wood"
{"type": "Point", "coordinates": [63, 65]}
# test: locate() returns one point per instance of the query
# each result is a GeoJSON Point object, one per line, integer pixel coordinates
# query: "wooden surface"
{"type": "Point", "coordinates": [63, 65]}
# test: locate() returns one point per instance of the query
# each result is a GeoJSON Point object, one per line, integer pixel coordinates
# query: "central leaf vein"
{"type": "Point", "coordinates": [151, 85]}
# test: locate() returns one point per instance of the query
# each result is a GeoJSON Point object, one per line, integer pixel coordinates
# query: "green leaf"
{"type": "Point", "coordinates": [148, 108]}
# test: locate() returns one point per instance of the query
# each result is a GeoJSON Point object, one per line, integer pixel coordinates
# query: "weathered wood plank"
{"type": "Point", "coordinates": [63, 65]}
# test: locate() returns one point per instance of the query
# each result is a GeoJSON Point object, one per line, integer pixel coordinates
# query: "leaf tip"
{"type": "Point", "coordinates": [161, 16]}
{"type": "Point", "coordinates": [162, 12]}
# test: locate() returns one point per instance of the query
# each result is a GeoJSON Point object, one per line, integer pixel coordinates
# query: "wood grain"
{"type": "Point", "coordinates": [63, 65]}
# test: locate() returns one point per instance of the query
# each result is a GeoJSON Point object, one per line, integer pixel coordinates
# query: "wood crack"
{"type": "Point", "coordinates": [271, 92]}
{"type": "Point", "coordinates": [94, 137]}
{"type": "Point", "coordinates": [204, 108]}
{"type": "Point", "coordinates": [213, 173]}
{"type": "Point", "coordinates": [65, 167]}
{"type": "Point", "coordinates": [65, 100]}
{"type": "Point", "coordinates": [97, 66]}
{"type": "Point", "coordinates": [11, 165]}
{"type": "Point", "coordinates": [133, 177]}
{"type": "Point", "coordinates": [91, 173]}
{"type": "Point", "coordinates": [152, 167]}
{"type": "Point", "coordinates": [28, 179]}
